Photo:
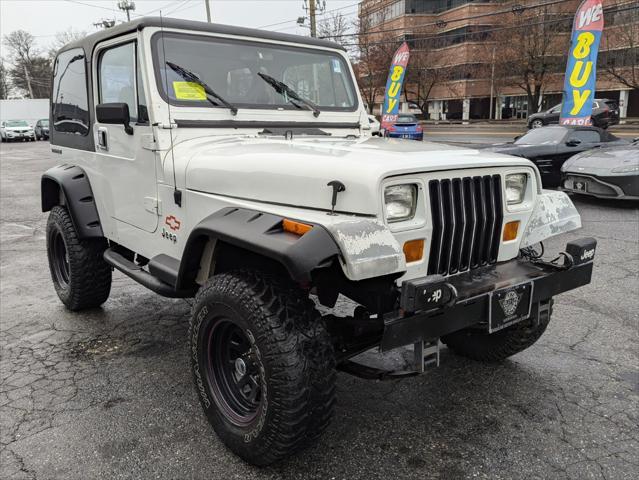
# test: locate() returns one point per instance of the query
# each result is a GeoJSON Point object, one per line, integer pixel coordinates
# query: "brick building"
{"type": "Point", "coordinates": [461, 50]}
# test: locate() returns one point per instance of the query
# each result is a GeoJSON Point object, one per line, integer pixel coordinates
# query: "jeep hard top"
{"type": "Point", "coordinates": [236, 166]}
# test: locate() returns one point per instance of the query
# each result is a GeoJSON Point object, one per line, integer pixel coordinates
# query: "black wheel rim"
{"type": "Point", "coordinates": [59, 259]}
{"type": "Point", "coordinates": [234, 373]}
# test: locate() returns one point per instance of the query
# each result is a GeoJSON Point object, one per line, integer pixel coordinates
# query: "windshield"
{"type": "Point", "coordinates": [542, 136]}
{"type": "Point", "coordinates": [44, 123]}
{"type": "Point", "coordinates": [17, 123]}
{"type": "Point", "coordinates": [231, 69]}
{"type": "Point", "coordinates": [406, 119]}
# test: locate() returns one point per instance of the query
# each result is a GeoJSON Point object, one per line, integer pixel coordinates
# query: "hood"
{"type": "Point", "coordinates": [505, 148]}
{"type": "Point", "coordinates": [602, 160]}
{"type": "Point", "coordinates": [296, 172]}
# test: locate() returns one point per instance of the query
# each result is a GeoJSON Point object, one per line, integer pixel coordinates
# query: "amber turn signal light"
{"type": "Point", "coordinates": [297, 228]}
{"type": "Point", "coordinates": [414, 250]}
{"type": "Point", "coordinates": [510, 230]}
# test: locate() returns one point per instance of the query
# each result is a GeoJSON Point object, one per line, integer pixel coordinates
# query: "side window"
{"type": "Point", "coordinates": [117, 77]}
{"type": "Point", "coordinates": [586, 136]}
{"type": "Point", "coordinates": [70, 108]}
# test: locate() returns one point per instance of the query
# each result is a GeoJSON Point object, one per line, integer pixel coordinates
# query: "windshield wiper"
{"type": "Point", "coordinates": [193, 78]}
{"type": "Point", "coordinates": [288, 93]}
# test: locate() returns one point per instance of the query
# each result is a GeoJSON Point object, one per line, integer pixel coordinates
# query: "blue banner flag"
{"type": "Point", "coordinates": [580, 80]}
{"type": "Point", "coordinates": [394, 86]}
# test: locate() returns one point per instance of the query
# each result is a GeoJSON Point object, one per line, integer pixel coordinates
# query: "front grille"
{"type": "Point", "coordinates": [467, 219]}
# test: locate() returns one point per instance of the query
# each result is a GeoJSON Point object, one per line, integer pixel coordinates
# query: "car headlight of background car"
{"type": "Point", "coordinates": [400, 202]}
{"type": "Point", "coordinates": [516, 188]}
{"type": "Point", "coordinates": [626, 169]}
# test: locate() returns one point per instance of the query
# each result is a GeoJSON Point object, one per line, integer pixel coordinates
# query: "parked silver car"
{"type": "Point", "coordinates": [611, 172]}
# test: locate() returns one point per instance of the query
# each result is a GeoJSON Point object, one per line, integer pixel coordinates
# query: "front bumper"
{"type": "Point", "coordinates": [407, 135]}
{"type": "Point", "coordinates": [625, 187]}
{"type": "Point", "coordinates": [20, 135]}
{"type": "Point", "coordinates": [464, 300]}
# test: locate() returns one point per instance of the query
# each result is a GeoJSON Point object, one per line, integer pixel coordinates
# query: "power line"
{"type": "Point", "coordinates": [457, 20]}
{"type": "Point", "coordinates": [323, 13]}
{"type": "Point", "coordinates": [612, 9]}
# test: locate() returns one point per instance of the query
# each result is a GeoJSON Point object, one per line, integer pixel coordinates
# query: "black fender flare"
{"type": "Point", "coordinates": [69, 185]}
{"type": "Point", "coordinates": [260, 233]}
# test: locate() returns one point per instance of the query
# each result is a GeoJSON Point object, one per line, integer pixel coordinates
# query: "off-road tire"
{"type": "Point", "coordinates": [294, 356]}
{"type": "Point", "coordinates": [88, 276]}
{"type": "Point", "coordinates": [496, 347]}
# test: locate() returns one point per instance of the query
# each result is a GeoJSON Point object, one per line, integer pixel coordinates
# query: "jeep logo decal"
{"type": "Point", "coordinates": [588, 254]}
{"type": "Point", "coordinates": [172, 222]}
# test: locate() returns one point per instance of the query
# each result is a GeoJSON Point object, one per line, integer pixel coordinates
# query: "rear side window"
{"type": "Point", "coordinates": [69, 109]}
{"type": "Point", "coordinates": [586, 136]}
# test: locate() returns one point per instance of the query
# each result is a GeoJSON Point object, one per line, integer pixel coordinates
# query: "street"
{"type": "Point", "coordinates": [108, 393]}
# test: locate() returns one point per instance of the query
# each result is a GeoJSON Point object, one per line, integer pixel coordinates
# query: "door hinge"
{"type": "Point", "coordinates": [166, 126]}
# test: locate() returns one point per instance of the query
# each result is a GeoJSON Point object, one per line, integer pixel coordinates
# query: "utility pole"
{"type": "Point", "coordinates": [313, 6]}
{"type": "Point", "coordinates": [26, 74]}
{"type": "Point", "coordinates": [127, 6]}
{"type": "Point", "coordinates": [208, 11]}
{"type": "Point", "coordinates": [492, 85]}
{"type": "Point", "coordinates": [311, 13]}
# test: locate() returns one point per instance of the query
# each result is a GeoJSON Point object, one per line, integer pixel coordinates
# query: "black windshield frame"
{"type": "Point", "coordinates": [158, 61]}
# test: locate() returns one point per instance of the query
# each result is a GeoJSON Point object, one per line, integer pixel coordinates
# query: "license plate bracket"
{"type": "Point", "coordinates": [510, 305]}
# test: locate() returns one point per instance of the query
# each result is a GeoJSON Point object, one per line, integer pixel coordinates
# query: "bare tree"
{"type": "Point", "coordinates": [333, 27]}
{"type": "Point", "coordinates": [374, 56]}
{"type": "Point", "coordinates": [4, 84]}
{"type": "Point", "coordinates": [30, 72]}
{"type": "Point", "coordinates": [620, 46]}
{"type": "Point", "coordinates": [527, 53]}
{"type": "Point", "coordinates": [425, 71]}
{"type": "Point", "coordinates": [63, 38]}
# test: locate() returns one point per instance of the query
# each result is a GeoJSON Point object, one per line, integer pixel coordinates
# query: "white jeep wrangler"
{"type": "Point", "coordinates": [236, 166]}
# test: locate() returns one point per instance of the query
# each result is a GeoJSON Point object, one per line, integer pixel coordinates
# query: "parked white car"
{"type": "Point", "coordinates": [16, 130]}
{"type": "Point", "coordinates": [236, 166]}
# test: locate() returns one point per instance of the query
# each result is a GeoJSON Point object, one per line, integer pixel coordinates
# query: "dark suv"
{"type": "Point", "coordinates": [42, 129]}
{"type": "Point", "coordinates": [605, 113]}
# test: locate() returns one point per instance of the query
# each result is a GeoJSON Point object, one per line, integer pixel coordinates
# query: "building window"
{"type": "Point", "coordinates": [389, 12]}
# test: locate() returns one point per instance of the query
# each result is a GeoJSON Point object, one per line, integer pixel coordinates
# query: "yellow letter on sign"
{"type": "Point", "coordinates": [577, 82]}
{"type": "Point", "coordinates": [391, 104]}
{"type": "Point", "coordinates": [580, 99]}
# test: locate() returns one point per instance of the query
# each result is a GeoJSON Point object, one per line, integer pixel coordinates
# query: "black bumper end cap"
{"type": "Point", "coordinates": [581, 250]}
{"type": "Point", "coordinates": [427, 293]}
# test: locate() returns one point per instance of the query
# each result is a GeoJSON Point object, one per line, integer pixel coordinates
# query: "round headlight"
{"type": "Point", "coordinates": [516, 188]}
{"type": "Point", "coordinates": [400, 202]}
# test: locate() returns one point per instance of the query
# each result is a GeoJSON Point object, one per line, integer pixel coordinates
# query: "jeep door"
{"type": "Point", "coordinates": [128, 167]}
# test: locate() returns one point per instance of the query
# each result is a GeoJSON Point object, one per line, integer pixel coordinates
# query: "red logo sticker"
{"type": "Point", "coordinates": [172, 222]}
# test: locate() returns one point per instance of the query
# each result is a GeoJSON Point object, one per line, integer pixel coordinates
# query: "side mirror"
{"type": "Point", "coordinates": [114, 114]}
{"type": "Point", "coordinates": [573, 142]}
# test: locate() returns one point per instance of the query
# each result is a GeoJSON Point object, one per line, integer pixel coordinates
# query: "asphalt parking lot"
{"type": "Point", "coordinates": [108, 393]}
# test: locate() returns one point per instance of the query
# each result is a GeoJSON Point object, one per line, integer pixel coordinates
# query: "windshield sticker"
{"type": "Point", "coordinates": [188, 91]}
{"type": "Point", "coordinates": [337, 68]}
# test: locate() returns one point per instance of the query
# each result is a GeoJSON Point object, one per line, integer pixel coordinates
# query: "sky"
{"type": "Point", "coordinates": [44, 18]}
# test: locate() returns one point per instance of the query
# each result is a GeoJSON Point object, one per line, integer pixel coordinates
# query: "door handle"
{"type": "Point", "coordinates": [103, 135]}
